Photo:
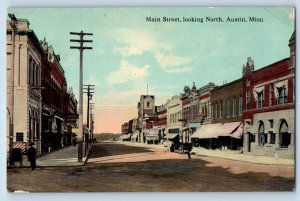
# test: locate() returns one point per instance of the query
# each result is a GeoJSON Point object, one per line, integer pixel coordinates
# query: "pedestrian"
{"type": "Point", "coordinates": [31, 154]}
{"type": "Point", "coordinates": [189, 154]}
{"type": "Point", "coordinates": [74, 141]}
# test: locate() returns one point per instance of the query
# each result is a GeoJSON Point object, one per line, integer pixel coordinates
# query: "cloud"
{"type": "Point", "coordinates": [134, 42]}
{"type": "Point", "coordinates": [173, 63]}
{"type": "Point", "coordinates": [138, 41]}
{"type": "Point", "coordinates": [127, 72]}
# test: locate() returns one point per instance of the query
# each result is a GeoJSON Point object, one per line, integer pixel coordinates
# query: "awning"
{"type": "Point", "coordinates": [238, 132]}
{"type": "Point", "coordinates": [227, 129]}
{"type": "Point", "coordinates": [205, 131]}
{"type": "Point", "coordinates": [171, 136]}
{"type": "Point", "coordinates": [126, 136]}
{"type": "Point", "coordinates": [232, 129]}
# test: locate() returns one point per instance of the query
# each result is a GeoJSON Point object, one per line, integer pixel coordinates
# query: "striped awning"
{"type": "Point", "coordinates": [21, 146]}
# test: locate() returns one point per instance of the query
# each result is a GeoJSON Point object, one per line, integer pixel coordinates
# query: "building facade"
{"type": "Point", "coordinates": [37, 100]}
{"type": "Point", "coordinates": [161, 120]}
{"type": "Point", "coordinates": [226, 101]}
{"type": "Point", "coordinates": [24, 98]}
{"type": "Point", "coordinates": [269, 107]}
{"type": "Point", "coordinates": [146, 107]}
{"type": "Point", "coordinates": [54, 90]}
{"type": "Point", "coordinates": [174, 115]}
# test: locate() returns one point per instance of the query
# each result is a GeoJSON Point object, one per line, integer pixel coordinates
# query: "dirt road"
{"type": "Point", "coordinates": [115, 167]}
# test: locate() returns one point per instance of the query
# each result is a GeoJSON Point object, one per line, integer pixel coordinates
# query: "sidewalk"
{"type": "Point", "coordinates": [229, 154]}
{"type": "Point", "coordinates": [67, 156]}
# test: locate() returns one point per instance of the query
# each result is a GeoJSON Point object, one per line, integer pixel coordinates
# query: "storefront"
{"type": "Point", "coordinates": [219, 136]}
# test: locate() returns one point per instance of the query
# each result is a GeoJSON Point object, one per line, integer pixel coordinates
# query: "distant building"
{"type": "Point", "coordinates": [162, 120]}
{"type": "Point", "coordinates": [174, 115]}
{"type": "Point", "coordinates": [196, 109]}
{"type": "Point", "coordinates": [125, 132]}
{"type": "Point", "coordinates": [146, 106]}
{"type": "Point", "coordinates": [269, 107]}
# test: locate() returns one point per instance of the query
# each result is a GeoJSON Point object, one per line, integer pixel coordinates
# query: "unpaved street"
{"type": "Point", "coordinates": [118, 167]}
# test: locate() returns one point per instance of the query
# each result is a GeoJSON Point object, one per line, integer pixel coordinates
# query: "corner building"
{"type": "Point", "coordinates": [269, 107]}
{"type": "Point", "coordinates": [24, 98]}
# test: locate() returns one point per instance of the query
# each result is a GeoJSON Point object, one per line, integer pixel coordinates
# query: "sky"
{"type": "Point", "coordinates": [130, 53]}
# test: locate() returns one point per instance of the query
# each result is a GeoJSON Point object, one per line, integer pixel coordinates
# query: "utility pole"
{"type": "Point", "coordinates": [89, 91]}
{"type": "Point", "coordinates": [80, 48]}
{"type": "Point", "coordinates": [92, 106]}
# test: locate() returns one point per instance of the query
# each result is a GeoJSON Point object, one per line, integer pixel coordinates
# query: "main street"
{"type": "Point", "coordinates": [118, 167]}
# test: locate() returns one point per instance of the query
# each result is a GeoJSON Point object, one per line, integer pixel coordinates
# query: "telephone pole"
{"type": "Point", "coordinates": [92, 106]}
{"type": "Point", "coordinates": [80, 48]}
{"type": "Point", "coordinates": [89, 91]}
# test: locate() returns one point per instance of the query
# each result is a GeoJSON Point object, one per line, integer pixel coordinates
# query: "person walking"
{"type": "Point", "coordinates": [189, 154]}
{"type": "Point", "coordinates": [31, 154]}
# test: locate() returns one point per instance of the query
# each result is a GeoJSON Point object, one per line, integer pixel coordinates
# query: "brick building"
{"type": "Point", "coordinates": [269, 107]}
{"type": "Point", "coordinates": [226, 118]}
{"type": "Point", "coordinates": [54, 90]}
{"type": "Point", "coordinates": [161, 112]}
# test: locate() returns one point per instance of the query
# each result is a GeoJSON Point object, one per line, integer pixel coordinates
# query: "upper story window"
{"type": "Point", "coordinates": [271, 94]}
{"type": "Point", "coordinates": [240, 105]}
{"type": "Point", "coordinates": [215, 110]}
{"type": "Point", "coordinates": [228, 107]}
{"type": "Point", "coordinates": [258, 93]}
{"type": "Point", "coordinates": [220, 109]}
{"type": "Point", "coordinates": [282, 95]}
{"type": "Point", "coordinates": [248, 83]}
{"type": "Point", "coordinates": [248, 96]}
{"type": "Point", "coordinates": [281, 91]}
{"type": "Point", "coordinates": [234, 107]}
{"type": "Point", "coordinates": [148, 104]}
{"type": "Point", "coordinates": [260, 99]}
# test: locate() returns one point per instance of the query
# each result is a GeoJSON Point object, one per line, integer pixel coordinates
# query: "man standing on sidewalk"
{"type": "Point", "coordinates": [31, 153]}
